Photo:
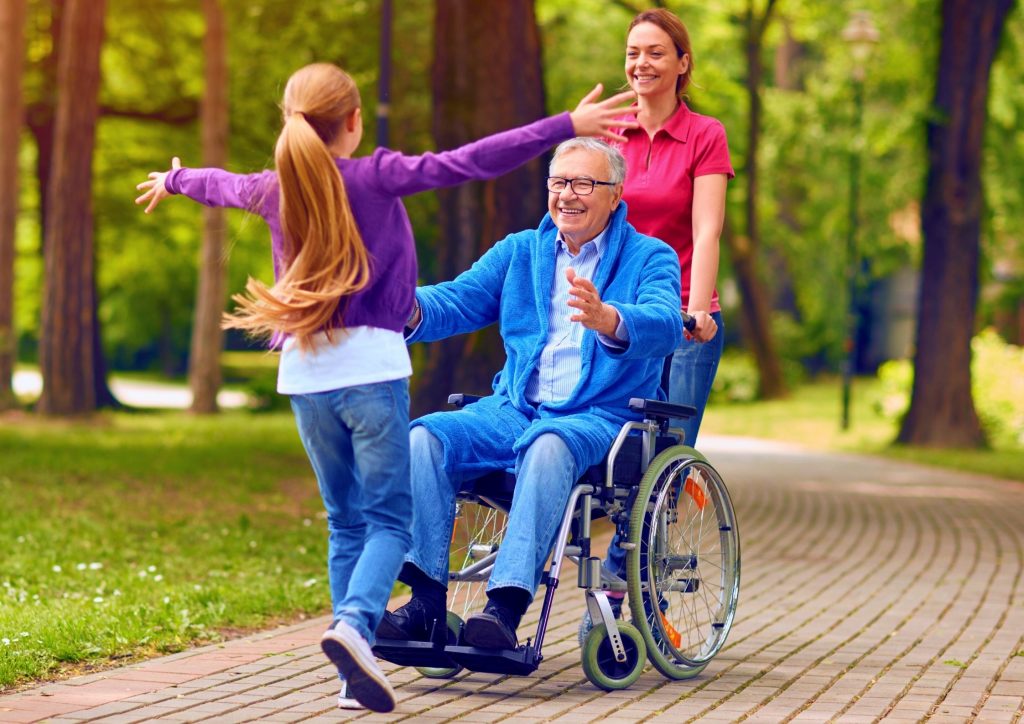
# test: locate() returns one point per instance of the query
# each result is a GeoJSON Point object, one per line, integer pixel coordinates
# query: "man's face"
{"type": "Point", "coordinates": [581, 218]}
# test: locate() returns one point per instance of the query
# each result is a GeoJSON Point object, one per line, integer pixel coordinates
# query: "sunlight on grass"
{"type": "Point", "coordinates": [811, 417]}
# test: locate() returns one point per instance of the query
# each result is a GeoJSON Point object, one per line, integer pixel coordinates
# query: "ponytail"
{"type": "Point", "coordinates": [325, 259]}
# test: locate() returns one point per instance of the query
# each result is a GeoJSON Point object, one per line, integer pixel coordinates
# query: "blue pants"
{"type": "Point", "coordinates": [545, 473]}
{"type": "Point", "coordinates": [693, 370]}
{"type": "Point", "coordinates": [357, 439]}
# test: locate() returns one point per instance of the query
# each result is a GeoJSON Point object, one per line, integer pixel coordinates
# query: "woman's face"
{"type": "Point", "coordinates": [652, 65]}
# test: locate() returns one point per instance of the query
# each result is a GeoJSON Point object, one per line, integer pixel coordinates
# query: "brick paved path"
{"type": "Point", "coordinates": [871, 590]}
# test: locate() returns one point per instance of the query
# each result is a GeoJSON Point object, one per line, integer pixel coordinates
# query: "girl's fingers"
{"type": "Point", "coordinates": [589, 97]}
{"type": "Point", "coordinates": [620, 98]}
{"type": "Point", "coordinates": [175, 162]}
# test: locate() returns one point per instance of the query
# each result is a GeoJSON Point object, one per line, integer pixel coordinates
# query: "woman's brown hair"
{"type": "Point", "coordinates": [325, 259]}
{"type": "Point", "coordinates": [673, 26]}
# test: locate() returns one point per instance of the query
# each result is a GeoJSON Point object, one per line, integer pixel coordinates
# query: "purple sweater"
{"type": "Point", "coordinates": [375, 185]}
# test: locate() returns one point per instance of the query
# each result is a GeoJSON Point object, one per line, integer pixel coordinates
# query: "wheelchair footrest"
{"type": "Point", "coordinates": [521, 661]}
{"type": "Point", "coordinates": [413, 653]}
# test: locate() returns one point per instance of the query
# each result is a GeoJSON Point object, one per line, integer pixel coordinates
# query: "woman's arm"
{"type": "Point", "coordinates": [500, 153]}
{"type": "Point", "coordinates": [708, 217]}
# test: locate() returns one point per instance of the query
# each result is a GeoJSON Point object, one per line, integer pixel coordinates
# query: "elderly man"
{"type": "Point", "coordinates": [588, 308]}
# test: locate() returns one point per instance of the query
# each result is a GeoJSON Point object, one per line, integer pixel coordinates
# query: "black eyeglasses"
{"type": "Point", "coordinates": [579, 186]}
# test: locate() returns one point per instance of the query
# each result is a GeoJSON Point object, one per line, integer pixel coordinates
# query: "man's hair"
{"type": "Point", "coordinates": [616, 163]}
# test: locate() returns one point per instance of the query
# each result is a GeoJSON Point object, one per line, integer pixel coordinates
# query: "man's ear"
{"type": "Point", "coordinates": [617, 198]}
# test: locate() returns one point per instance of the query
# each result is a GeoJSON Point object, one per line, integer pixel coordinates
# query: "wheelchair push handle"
{"type": "Point", "coordinates": [689, 322]}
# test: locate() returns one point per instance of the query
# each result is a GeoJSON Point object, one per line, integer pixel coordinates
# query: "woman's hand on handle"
{"type": "Point", "coordinates": [594, 117]}
{"type": "Point", "coordinates": [705, 328]}
{"type": "Point", "coordinates": [155, 189]}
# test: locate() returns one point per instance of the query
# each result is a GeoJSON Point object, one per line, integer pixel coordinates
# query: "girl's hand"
{"type": "Point", "coordinates": [705, 330]}
{"type": "Point", "coordinates": [155, 189]}
{"type": "Point", "coordinates": [597, 118]}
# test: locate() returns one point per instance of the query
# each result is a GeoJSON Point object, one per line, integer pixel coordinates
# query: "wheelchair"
{"type": "Point", "coordinates": [676, 522]}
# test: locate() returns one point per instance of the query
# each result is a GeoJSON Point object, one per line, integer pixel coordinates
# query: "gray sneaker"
{"type": "Point", "coordinates": [350, 652]}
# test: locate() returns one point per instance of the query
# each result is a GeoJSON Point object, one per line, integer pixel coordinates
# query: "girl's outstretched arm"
{"type": "Point", "coordinates": [500, 153]}
{"type": "Point", "coordinates": [155, 190]}
{"type": "Point", "coordinates": [213, 187]}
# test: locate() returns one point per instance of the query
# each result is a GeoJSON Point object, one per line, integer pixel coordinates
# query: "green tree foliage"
{"type": "Point", "coordinates": [152, 65]}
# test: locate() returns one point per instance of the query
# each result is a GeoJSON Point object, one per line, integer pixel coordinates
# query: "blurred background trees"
{"type": "Point", "coordinates": [776, 72]}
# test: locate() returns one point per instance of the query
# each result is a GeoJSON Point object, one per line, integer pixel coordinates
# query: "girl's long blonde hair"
{"type": "Point", "coordinates": [325, 259]}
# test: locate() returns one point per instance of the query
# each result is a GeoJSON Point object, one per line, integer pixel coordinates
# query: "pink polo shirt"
{"type": "Point", "coordinates": [659, 180]}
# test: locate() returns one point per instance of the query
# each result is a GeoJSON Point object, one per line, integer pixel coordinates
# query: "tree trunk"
{"type": "Point", "coordinates": [68, 341]}
{"type": "Point", "coordinates": [12, 54]}
{"type": "Point", "coordinates": [755, 311]}
{"type": "Point", "coordinates": [942, 410]}
{"type": "Point", "coordinates": [473, 99]}
{"type": "Point", "coordinates": [207, 335]}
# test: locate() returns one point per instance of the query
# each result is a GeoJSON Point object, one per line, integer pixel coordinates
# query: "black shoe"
{"type": "Point", "coordinates": [411, 622]}
{"type": "Point", "coordinates": [495, 628]}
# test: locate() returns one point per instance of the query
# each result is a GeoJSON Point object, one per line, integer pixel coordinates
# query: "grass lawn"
{"type": "Point", "coordinates": [811, 416]}
{"type": "Point", "coordinates": [135, 534]}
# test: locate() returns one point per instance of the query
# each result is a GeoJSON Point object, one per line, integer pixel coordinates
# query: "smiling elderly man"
{"type": "Point", "coordinates": [588, 308]}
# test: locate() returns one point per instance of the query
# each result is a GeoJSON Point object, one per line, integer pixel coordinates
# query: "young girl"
{"type": "Point", "coordinates": [345, 269]}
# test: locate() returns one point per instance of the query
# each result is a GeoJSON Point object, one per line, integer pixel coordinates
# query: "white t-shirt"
{"type": "Point", "coordinates": [356, 356]}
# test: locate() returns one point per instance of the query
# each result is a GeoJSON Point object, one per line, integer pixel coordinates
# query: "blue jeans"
{"type": "Point", "coordinates": [545, 473]}
{"type": "Point", "coordinates": [357, 439]}
{"type": "Point", "coordinates": [693, 370]}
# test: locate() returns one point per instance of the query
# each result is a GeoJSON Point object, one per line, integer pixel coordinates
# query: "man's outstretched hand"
{"type": "Point", "coordinates": [593, 313]}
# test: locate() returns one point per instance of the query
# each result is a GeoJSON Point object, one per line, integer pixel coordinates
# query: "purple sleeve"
{"type": "Point", "coordinates": [216, 187]}
{"type": "Point", "coordinates": [487, 158]}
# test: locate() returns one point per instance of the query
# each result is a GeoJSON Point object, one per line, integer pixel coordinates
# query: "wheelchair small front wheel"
{"type": "Point", "coordinates": [431, 672]}
{"type": "Point", "coordinates": [683, 572]}
{"type": "Point", "coordinates": [599, 662]}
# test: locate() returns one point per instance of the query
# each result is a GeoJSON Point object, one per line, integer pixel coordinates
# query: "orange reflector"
{"type": "Point", "coordinates": [694, 491]}
{"type": "Point", "coordinates": [674, 636]}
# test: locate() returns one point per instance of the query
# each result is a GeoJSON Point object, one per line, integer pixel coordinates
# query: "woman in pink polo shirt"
{"type": "Point", "coordinates": [678, 165]}
{"type": "Point", "coordinates": [677, 168]}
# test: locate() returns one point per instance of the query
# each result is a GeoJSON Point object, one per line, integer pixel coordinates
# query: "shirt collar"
{"type": "Point", "coordinates": [599, 241]}
{"type": "Point", "coordinates": [677, 125]}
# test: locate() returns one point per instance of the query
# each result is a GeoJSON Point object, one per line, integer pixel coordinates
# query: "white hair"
{"type": "Point", "coordinates": [616, 163]}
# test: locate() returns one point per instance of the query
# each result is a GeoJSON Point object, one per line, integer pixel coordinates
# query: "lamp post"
{"type": "Point", "coordinates": [860, 34]}
{"type": "Point", "coordinates": [384, 80]}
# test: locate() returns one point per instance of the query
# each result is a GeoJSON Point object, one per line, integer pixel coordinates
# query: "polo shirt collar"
{"type": "Point", "coordinates": [677, 125]}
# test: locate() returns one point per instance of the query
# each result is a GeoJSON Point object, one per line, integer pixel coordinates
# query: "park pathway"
{"type": "Point", "coordinates": [872, 590]}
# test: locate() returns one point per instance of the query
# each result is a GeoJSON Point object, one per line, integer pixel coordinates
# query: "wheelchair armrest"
{"type": "Point", "coordinates": [460, 400]}
{"type": "Point", "coordinates": [659, 410]}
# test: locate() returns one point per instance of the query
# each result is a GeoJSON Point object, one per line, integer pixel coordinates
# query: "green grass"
{"type": "Point", "coordinates": [811, 417]}
{"type": "Point", "coordinates": [135, 534]}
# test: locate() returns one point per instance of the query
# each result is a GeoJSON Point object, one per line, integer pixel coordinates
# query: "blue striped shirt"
{"type": "Point", "coordinates": [558, 370]}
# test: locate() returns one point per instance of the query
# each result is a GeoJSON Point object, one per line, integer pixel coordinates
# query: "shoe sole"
{"type": "Point", "coordinates": [484, 633]}
{"type": "Point", "coordinates": [365, 685]}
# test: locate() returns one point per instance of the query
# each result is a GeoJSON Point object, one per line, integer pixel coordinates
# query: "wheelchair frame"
{"type": "Point", "coordinates": [613, 651]}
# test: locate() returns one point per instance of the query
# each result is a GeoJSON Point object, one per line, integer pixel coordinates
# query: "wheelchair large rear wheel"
{"type": "Point", "coordinates": [476, 535]}
{"type": "Point", "coordinates": [683, 572]}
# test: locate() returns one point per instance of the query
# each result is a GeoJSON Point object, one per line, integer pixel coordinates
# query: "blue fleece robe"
{"type": "Point", "coordinates": [511, 284]}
